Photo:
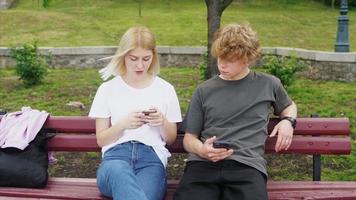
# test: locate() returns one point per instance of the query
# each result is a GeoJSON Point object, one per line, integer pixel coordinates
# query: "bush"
{"type": "Point", "coordinates": [30, 66]}
{"type": "Point", "coordinates": [285, 68]}
{"type": "Point", "coordinates": [46, 3]}
{"type": "Point", "coordinates": [203, 67]}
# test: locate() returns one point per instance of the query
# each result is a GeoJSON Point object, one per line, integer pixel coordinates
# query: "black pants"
{"type": "Point", "coordinates": [223, 180]}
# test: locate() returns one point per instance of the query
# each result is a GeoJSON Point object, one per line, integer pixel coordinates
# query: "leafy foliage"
{"type": "Point", "coordinates": [203, 68]}
{"type": "Point", "coordinates": [46, 3]}
{"type": "Point", "coordinates": [30, 65]}
{"type": "Point", "coordinates": [285, 68]}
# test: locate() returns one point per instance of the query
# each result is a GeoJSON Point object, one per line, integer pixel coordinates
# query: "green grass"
{"type": "Point", "coordinates": [302, 23]}
{"type": "Point", "coordinates": [340, 167]}
{"type": "Point", "coordinates": [327, 98]}
{"type": "Point", "coordinates": [58, 88]}
{"type": "Point", "coordinates": [64, 85]}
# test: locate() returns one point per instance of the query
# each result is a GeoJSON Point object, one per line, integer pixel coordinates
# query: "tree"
{"type": "Point", "coordinates": [215, 10]}
{"type": "Point", "coordinates": [139, 7]}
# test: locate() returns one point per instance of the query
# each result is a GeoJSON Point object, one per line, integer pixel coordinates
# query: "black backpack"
{"type": "Point", "coordinates": [26, 168]}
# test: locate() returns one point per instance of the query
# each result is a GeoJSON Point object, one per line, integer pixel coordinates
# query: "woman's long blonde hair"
{"type": "Point", "coordinates": [138, 36]}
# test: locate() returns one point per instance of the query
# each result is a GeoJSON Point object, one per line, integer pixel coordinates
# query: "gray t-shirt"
{"type": "Point", "coordinates": [237, 111]}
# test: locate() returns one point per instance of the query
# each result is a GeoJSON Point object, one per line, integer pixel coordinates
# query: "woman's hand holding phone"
{"type": "Point", "coordinates": [133, 120]}
{"type": "Point", "coordinates": [148, 112]}
{"type": "Point", "coordinates": [153, 117]}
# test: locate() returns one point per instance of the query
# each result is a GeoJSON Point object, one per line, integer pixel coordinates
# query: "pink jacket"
{"type": "Point", "coordinates": [19, 128]}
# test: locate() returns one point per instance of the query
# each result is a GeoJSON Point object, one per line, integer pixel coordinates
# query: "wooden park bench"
{"type": "Point", "coordinates": [313, 136]}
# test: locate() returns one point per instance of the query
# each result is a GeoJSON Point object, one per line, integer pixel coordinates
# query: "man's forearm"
{"type": "Point", "coordinates": [290, 111]}
{"type": "Point", "coordinates": [192, 144]}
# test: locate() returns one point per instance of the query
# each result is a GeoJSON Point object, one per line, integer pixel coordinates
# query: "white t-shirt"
{"type": "Point", "coordinates": [115, 99]}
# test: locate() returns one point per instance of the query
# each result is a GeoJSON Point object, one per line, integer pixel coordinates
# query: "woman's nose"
{"type": "Point", "coordinates": [140, 64]}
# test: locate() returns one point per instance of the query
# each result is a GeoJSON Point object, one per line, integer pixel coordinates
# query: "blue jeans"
{"type": "Point", "coordinates": [130, 171]}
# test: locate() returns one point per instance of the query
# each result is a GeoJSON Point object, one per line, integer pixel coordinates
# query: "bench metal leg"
{"type": "Point", "coordinates": [316, 168]}
{"type": "Point", "coordinates": [316, 160]}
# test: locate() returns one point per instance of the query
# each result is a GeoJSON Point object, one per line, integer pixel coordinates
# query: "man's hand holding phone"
{"type": "Point", "coordinates": [222, 144]}
{"type": "Point", "coordinates": [209, 152]}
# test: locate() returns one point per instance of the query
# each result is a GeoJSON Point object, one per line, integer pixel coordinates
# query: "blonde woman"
{"type": "Point", "coordinates": [136, 114]}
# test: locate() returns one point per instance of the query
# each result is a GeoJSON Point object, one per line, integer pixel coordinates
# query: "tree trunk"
{"type": "Point", "coordinates": [215, 10]}
{"type": "Point", "coordinates": [139, 8]}
{"type": "Point", "coordinates": [332, 4]}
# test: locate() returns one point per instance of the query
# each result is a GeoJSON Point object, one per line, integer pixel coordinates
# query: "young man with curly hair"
{"type": "Point", "coordinates": [233, 107]}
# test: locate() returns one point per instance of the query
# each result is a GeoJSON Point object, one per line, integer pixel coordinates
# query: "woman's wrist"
{"type": "Point", "coordinates": [120, 126]}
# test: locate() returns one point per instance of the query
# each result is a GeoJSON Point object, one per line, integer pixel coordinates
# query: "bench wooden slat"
{"type": "Point", "coordinates": [306, 185]}
{"type": "Point", "coordinates": [321, 127]}
{"type": "Point", "coordinates": [314, 145]}
{"type": "Point", "coordinates": [73, 142]}
{"type": "Point", "coordinates": [305, 126]}
{"type": "Point", "coordinates": [85, 188]}
{"type": "Point", "coordinates": [282, 190]}
{"type": "Point", "coordinates": [318, 126]}
{"type": "Point", "coordinates": [334, 194]}
{"type": "Point", "coordinates": [300, 144]}
{"type": "Point", "coordinates": [24, 198]}
{"type": "Point", "coordinates": [58, 188]}
{"type": "Point", "coordinates": [70, 124]}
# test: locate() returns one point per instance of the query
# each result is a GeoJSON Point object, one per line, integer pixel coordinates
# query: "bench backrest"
{"type": "Point", "coordinates": [312, 136]}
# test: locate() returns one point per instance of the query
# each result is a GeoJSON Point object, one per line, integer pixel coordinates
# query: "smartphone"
{"type": "Point", "coordinates": [147, 112]}
{"type": "Point", "coordinates": [222, 144]}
